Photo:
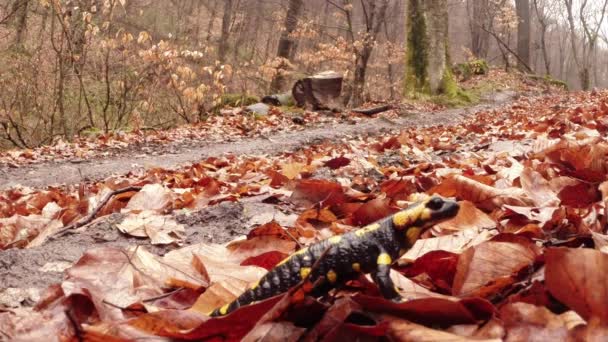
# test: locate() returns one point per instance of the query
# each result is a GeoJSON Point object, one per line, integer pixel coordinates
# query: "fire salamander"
{"type": "Point", "coordinates": [370, 249]}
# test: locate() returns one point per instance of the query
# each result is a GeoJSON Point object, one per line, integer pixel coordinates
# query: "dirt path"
{"type": "Point", "coordinates": [172, 155]}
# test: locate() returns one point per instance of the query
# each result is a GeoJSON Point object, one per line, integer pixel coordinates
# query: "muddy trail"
{"type": "Point", "coordinates": [173, 155]}
{"type": "Point", "coordinates": [25, 273]}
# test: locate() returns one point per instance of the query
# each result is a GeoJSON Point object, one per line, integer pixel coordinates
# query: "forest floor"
{"type": "Point", "coordinates": [106, 234]}
{"type": "Point", "coordinates": [36, 268]}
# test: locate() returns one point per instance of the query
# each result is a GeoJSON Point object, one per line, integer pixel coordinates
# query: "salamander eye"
{"type": "Point", "coordinates": [435, 203]}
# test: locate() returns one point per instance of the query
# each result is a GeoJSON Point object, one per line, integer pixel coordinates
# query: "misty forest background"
{"type": "Point", "coordinates": [71, 66]}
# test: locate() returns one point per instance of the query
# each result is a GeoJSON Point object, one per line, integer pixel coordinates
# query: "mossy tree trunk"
{"type": "Point", "coordinates": [427, 60]}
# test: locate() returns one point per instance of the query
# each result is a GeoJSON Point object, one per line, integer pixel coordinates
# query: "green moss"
{"type": "Point", "coordinates": [467, 70]}
{"type": "Point", "coordinates": [235, 100]}
{"type": "Point", "coordinates": [292, 109]}
{"type": "Point", "coordinates": [238, 100]}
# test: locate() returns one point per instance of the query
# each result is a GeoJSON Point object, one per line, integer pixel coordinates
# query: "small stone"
{"type": "Point", "coordinates": [298, 120]}
{"type": "Point", "coordinates": [258, 108]}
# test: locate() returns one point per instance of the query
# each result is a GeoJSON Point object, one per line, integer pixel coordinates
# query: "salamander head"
{"type": "Point", "coordinates": [426, 213]}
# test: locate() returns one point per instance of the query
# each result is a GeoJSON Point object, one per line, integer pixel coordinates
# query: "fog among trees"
{"type": "Point", "coordinates": [73, 65]}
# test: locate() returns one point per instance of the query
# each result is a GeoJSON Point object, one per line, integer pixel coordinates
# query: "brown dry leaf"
{"type": "Point", "coordinates": [334, 318]}
{"type": "Point", "coordinates": [469, 217]}
{"type": "Point", "coordinates": [510, 174]}
{"type": "Point", "coordinates": [402, 330]}
{"type": "Point", "coordinates": [489, 266]}
{"type": "Point", "coordinates": [454, 243]}
{"type": "Point", "coordinates": [600, 241]}
{"type": "Point", "coordinates": [123, 278]}
{"type": "Point", "coordinates": [219, 294]}
{"type": "Point", "coordinates": [153, 197]}
{"type": "Point", "coordinates": [409, 290]}
{"type": "Point", "coordinates": [244, 249]}
{"type": "Point", "coordinates": [234, 252]}
{"type": "Point", "coordinates": [19, 230]}
{"type": "Point", "coordinates": [484, 196]}
{"type": "Point", "coordinates": [540, 215]}
{"type": "Point", "coordinates": [577, 278]}
{"type": "Point", "coordinates": [292, 170]}
{"type": "Point", "coordinates": [275, 331]}
{"type": "Point", "coordinates": [27, 325]}
{"type": "Point", "coordinates": [220, 270]}
{"type": "Point", "coordinates": [526, 322]}
{"type": "Point", "coordinates": [51, 228]}
{"type": "Point", "coordinates": [538, 189]}
{"type": "Point", "coordinates": [312, 191]}
{"type": "Point", "coordinates": [373, 211]}
{"type": "Point", "coordinates": [161, 229]}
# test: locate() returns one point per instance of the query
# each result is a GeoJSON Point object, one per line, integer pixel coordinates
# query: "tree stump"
{"type": "Point", "coordinates": [321, 91]}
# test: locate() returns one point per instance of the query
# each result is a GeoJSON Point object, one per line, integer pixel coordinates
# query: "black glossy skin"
{"type": "Point", "coordinates": [363, 247]}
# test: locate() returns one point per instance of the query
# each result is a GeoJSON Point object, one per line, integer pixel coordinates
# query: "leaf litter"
{"type": "Point", "coordinates": [524, 259]}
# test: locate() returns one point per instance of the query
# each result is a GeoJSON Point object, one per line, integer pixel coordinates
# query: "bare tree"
{"type": "Point", "coordinates": [226, 23]}
{"type": "Point", "coordinates": [287, 45]}
{"type": "Point", "coordinates": [374, 15]}
{"type": "Point", "coordinates": [589, 36]}
{"type": "Point", "coordinates": [479, 19]}
{"type": "Point", "coordinates": [543, 20]}
{"type": "Point", "coordinates": [20, 8]}
{"type": "Point", "coordinates": [523, 30]}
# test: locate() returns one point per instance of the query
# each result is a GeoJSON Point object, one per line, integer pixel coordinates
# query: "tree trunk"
{"type": "Point", "coordinates": [211, 22]}
{"type": "Point", "coordinates": [375, 20]}
{"type": "Point", "coordinates": [523, 30]}
{"type": "Point", "coordinates": [226, 21]}
{"type": "Point", "coordinates": [286, 47]}
{"type": "Point", "coordinates": [427, 62]}
{"type": "Point", "coordinates": [542, 20]}
{"type": "Point", "coordinates": [20, 8]}
{"type": "Point", "coordinates": [479, 19]}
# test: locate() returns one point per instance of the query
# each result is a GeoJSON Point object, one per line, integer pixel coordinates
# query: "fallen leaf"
{"type": "Point", "coordinates": [487, 268]}
{"type": "Point", "coordinates": [403, 330]}
{"type": "Point", "coordinates": [576, 277]}
{"type": "Point", "coordinates": [154, 197]}
{"type": "Point", "coordinates": [161, 229]}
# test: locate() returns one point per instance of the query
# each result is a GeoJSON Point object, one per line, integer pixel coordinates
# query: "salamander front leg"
{"type": "Point", "coordinates": [382, 277]}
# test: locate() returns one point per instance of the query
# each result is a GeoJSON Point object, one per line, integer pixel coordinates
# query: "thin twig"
{"type": "Point", "coordinates": [164, 295]}
{"type": "Point", "coordinates": [293, 238]}
{"type": "Point", "coordinates": [87, 219]}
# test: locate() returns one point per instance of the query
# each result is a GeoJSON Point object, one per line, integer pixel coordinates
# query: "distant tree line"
{"type": "Point", "coordinates": [73, 66]}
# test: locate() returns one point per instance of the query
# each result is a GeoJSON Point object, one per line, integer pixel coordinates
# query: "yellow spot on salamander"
{"type": "Point", "coordinates": [357, 267]}
{"type": "Point", "coordinates": [412, 234]}
{"type": "Point", "coordinates": [404, 218]}
{"type": "Point", "coordinates": [332, 276]}
{"type": "Point", "coordinates": [367, 229]}
{"type": "Point", "coordinates": [304, 272]}
{"type": "Point", "coordinates": [335, 239]}
{"type": "Point", "coordinates": [255, 285]}
{"type": "Point", "coordinates": [301, 251]}
{"type": "Point", "coordinates": [426, 214]}
{"type": "Point", "coordinates": [224, 309]}
{"type": "Point", "coordinates": [384, 259]}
